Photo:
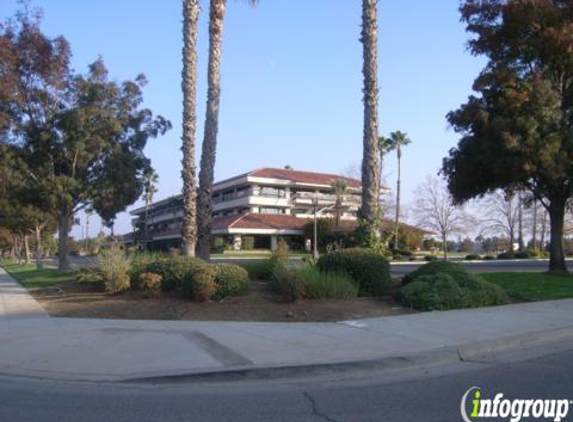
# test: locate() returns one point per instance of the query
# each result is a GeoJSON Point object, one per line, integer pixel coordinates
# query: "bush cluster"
{"type": "Point", "coordinates": [443, 285]}
{"type": "Point", "coordinates": [430, 258]}
{"type": "Point", "coordinates": [196, 279]}
{"type": "Point", "coordinates": [91, 276]}
{"type": "Point", "coordinates": [505, 255]}
{"type": "Point", "coordinates": [311, 283]}
{"type": "Point", "coordinates": [231, 280]}
{"type": "Point", "coordinates": [370, 270]}
{"type": "Point", "coordinates": [261, 270]}
{"type": "Point", "coordinates": [114, 268]}
{"type": "Point", "coordinates": [473, 257]}
{"type": "Point", "coordinates": [149, 283]}
{"type": "Point", "coordinates": [199, 284]}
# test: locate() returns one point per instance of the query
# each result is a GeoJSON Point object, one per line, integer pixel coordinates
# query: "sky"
{"type": "Point", "coordinates": [291, 79]}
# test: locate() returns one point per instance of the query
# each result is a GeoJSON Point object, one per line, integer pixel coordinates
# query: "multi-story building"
{"type": "Point", "coordinates": [266, 204]}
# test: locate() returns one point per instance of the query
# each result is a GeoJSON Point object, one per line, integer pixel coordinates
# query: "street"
{"type": "Point", "coordinates": [430, 394]}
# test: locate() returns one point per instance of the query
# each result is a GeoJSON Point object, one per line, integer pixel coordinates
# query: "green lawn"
{"type": "Point", "coordinates": [29, 277]}
{"type": "Point", "coordinates": [533, 286]}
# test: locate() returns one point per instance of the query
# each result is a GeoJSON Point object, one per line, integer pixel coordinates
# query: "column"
{"type": "Point", "coordinates": [237, 242]}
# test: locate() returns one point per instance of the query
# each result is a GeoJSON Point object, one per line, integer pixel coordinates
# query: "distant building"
{"type": "Point", "coordinates": [266, 204]}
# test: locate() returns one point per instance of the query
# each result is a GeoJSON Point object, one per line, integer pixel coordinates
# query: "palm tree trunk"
{"type": "Point", "coordinates": [370, 160]}
{"type": "Point", "coordinates": [398, 181]}
{"type": "Point", "coordinates": [189, 87]}
{"type": "Point", "coordinates": [209, 147]}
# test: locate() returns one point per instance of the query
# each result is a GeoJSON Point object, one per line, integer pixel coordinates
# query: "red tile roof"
{"type": "Point", "coordinates": [304, 176]}
{"type": "Point", "coordinates": [298, 177]}
{"type": "Point", "coordinates": [259, 221]}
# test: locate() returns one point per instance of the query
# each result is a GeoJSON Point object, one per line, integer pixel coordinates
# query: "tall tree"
{"type": "Point", "coordinates": [371, 169]}
{"type": "Point", "coordinates": [189, 87]}
{"type": "Point", "coordinates": [150, 179]}
{"type": "Point", "coordinates": [209, 147]}
{"type": "Point", "coordinates": [339, 188]}
{"type": "Point", "coordinates": [384, 146]}
{"type": "Point", "coordinates": [397, 141]}
{"type": "Point", "coordinates": [502, 215]}
{"type": "Point", "coordinates": [517, 131]}
{"type": "Point", "coordinates": [81, 137]}
{"type": "Point", "coordinates": [436, 211]}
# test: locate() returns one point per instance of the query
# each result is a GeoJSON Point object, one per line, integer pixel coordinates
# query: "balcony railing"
{"type": "Point", "coordinates": [324, 199]}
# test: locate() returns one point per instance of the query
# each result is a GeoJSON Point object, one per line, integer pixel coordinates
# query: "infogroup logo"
{"type": "Point", "coordinates": [515, 410]}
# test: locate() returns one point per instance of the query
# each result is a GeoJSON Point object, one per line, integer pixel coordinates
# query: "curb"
{"type": "Point", "coordinates": [478, 352]}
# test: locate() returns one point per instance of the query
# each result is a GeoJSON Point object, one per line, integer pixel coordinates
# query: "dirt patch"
{"type": "Point", "coordinates": [75, 300]}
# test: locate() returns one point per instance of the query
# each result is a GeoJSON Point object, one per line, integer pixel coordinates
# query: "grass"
{"type": "Point", "coordinates": [533, 287]}
{"type": "Point", "coordinates": [30, 278]}
{"type": "Point", "coordinates": [327, 285]}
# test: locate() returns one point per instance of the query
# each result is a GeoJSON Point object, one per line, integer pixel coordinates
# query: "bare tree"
{"type": "Point", "coordinates": [503, 212]}
{"type": "Point", "coordinates": [435, 211]}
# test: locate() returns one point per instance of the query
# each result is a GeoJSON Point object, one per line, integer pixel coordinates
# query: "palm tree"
{"type": "Point", "coordinates": [384, 146]}
{"type": "Point", "coordinates": [189, 87]}
{"type": "Point", "coordinates": [339, 188]}
{"type": "Point", "coordinates": [398, 140]}
{"type": "Point", "coordinates": [150, 179]}
{"type": "Point", "coordinates": [370, 160]}
{"type": "Point", "coordinates": [209, 148]}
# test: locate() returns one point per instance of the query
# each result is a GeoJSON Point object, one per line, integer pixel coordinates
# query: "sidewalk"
{"type": "Point", "coordinates": [33, 344]}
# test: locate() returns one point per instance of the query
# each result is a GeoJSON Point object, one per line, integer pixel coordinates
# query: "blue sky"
{"type": "Point", "coordinates": [291, 78]}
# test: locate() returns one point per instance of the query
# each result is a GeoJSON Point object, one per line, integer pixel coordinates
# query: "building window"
{"type": "Point", "coordinates": [272, 192]}
{"type": "Point", "coordinates": [271, 210]}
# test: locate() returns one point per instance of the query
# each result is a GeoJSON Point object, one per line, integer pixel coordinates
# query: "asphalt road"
{"type": "Point", "coordinates": [519, 265]}
{"type": "Point", "coordinates": [430, 394]}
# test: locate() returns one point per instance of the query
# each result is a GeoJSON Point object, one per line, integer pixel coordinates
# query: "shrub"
{"type": "Point", "coordinates": [248, 243]}
{"type": "Point", "coordinates": [523, 255]}
{"type": "Point", "coordinates": [259, 270]}
{"type": "Point", "coordinates": [435, 267]}
{"type": "Point", "coordinates": [488, 258]}
{"type": "Point", "coordinates": [430, 258]}
{"type": "Point", "coordinates": [114, 267]}
{"type": "Point", "coordinates": [370, 270]}
{"type": "Point", "coordinates": [327, 285]}
{"type": "Point", "coordinates": [220, 244]}
{"type": "Point", "coordinates": [473, 257]}
{"type": "Point", "coordinates": [231, 280]}
{"type": "Point", "coordinates": [149, 283]}
{"type": "Point", "coordinates": [172, 269]}
{"type": "Point", "coordinates": [402, 252]}
{"type": "Point", "coordinates": [199, 285]}
{"type": "Point", "coordinates": [505, 255]}
{"type": "Point", "coordinates": [288, 283]}
{"type": "Point", "coordinates": [434, 292]}
{"type": "Point", "coordinates": [281, 254]}
{"type": "Point", "coordinates": [448, 286]}
{"type": "Point", "coordinates": [91, 276]}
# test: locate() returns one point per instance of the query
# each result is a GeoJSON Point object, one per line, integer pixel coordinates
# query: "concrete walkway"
{"type": "Point", "coordinates": [32, 344]}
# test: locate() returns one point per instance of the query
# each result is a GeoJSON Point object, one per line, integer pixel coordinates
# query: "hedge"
{"type": "Point", "coordinates": [370, 270]}
{"type": "Point", "coordinates": [231, 280]}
